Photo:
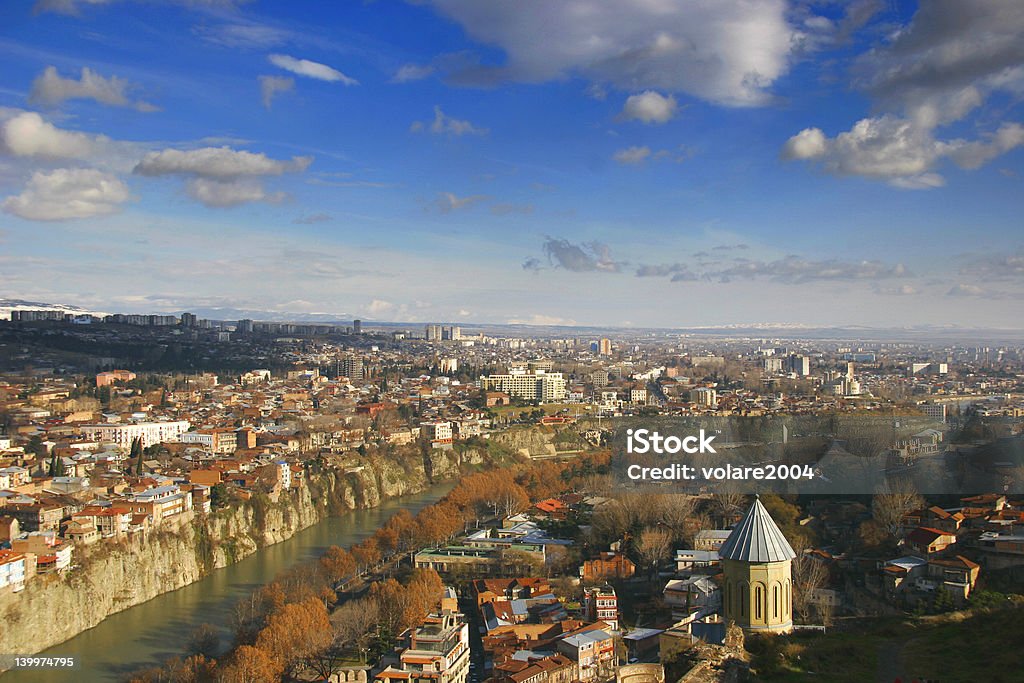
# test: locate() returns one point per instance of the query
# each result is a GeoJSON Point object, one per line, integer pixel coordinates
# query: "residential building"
{"type": "Point", "coordinates": [436, 651]}
{"type": "Point", "coordinates": [602, 604]}
{"type": "Point", "coordinates": [149, 433]}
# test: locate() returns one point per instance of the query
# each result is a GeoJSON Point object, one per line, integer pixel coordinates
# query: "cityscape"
{"type": "Point", "coordinates": [442, 341]}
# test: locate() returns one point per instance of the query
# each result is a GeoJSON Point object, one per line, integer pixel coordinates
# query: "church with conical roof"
{"type": "Point", "coordinates": [757, 561]}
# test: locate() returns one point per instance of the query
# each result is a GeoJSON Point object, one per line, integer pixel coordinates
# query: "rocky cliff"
{"type": "Point", "coordinates": [110, 577]}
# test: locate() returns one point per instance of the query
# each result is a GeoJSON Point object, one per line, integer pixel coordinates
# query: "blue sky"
{"type": "Point", "coordinates": [636, 162]}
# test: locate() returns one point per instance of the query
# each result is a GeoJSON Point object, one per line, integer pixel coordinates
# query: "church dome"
{"type": "Point", "coordinates": [757, 539]}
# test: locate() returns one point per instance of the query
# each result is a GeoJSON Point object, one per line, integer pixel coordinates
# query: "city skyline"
{"type": "Point", "coordinates": [647, 164]}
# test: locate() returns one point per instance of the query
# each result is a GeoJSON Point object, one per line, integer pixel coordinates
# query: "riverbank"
{"type": "Point", "coordinates": [111, 577]}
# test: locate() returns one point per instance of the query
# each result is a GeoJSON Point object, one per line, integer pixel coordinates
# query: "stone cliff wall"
{"type": "Point", "coordinates": [115, 576]}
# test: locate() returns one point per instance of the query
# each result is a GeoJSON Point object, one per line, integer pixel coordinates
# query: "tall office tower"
{"type": "Point", "coordinates": [245, 326]}
{"type": "Point", "coordinates": [604, 347]}
{"type": "Point", "coordinates": [357, 326]}
{"type": "Point", "coordinates": [801, 365]}
{"type": "Point", "coordinates": [188, 319]}
{"type": "Point", "coordinates": [433, 332]}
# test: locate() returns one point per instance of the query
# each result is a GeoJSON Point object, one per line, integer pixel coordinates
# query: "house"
{"type": "Point", "coordinates": [52, 552]}
{"type": "Point", "coordinates": [710, 539]}
{"type": "Point", "coordinates": [902, 572]}
{"type": "Point", "coordinates": [687, 560]}
{"type": "Point", "coordinates": [930, 541]}
{"type": "Point", "coordinates": [530, 668]}
{"type": "Point", "coordinates": [696, 593]}
{"type": "Point", "coordinates": [13, 571]}
{"type": "Point", "coordinates": [956, 575]}
{"type": "Point", "coordinates": [608, 565]}
{"type": "Point", "coordinates": [602, 604]}
{"type": "Point", "coordinates": [552, 508]}
{"type": "Point", "coordinates": [593, 652]}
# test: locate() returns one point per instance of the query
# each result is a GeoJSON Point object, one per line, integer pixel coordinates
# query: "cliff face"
{"type": "Point", "coordinates": [115, 576]}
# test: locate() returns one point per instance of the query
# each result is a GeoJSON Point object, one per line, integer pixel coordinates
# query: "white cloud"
{"type": "Point", "coordinates": [270, 86]}
{"type": "Point", "coordinates": [28, 134]}
{"type": "Point", "coordinates": [217, 162]}
{"type": "Point", "coordinates": [412, 72]}
{"type": "Point", "coordinates": [227, 193]}
{"type": "Point", "coordinates": [632, 155]}
{"type": "Point", "coordinates": [447, 202]}
{"type": "Point", "coordinates": [51, 89]}
{"type": "Point", "coordinates": [950, 58]}
{"type": "Point", "coordinates": [724, 51]}
{"type": "Point", "coordinates": [447, 125]}
{"type": "Point", "coordinates": [221, 176]}
{"type": "Point", "coordinates": [67, 193]}
{"type": "Point", "coordinates": [378, 307]}
{"type": "Point", "coordinates": [649, 107]}
{"type": "Point", "coordinates": [898, 150]}
{"type": "Point", "coordinates": [304, 67]}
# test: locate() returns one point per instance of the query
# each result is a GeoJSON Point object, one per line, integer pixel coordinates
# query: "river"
{"type": "Point", "coordinates": [154, 631]}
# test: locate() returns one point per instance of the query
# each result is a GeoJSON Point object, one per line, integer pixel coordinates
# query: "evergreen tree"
{"type": "Point", "coordinates": [136, 454]}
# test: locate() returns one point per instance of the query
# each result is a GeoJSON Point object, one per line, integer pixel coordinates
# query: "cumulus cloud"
{"type": "Point", "coordinates": [898, 150]}
{"type": "Point", "coordinates": [447, 125]}
{"type": "Point", "coordinates": [649, 107]}
{"type": "Point", "coordinates": [221, 176]}
{"type": "Point", "coordinates": [580, 258]}
{"type": "Point", "coordinates": [632, 155]}
{"type": "Point", "coordinates": [446, 202]}
{"type": "Point", "coordinates": [219, 193]}
{"type": "Point", "coordinates": [724, 51]}
{"type": "Point", "coordinates": [304, 67]}
{"type": "Point", "coordinates": [950, 58]}
{"type": "Point", "coordinates": [270, 86]}
{"type": "Point", "coordinates": [976, 291]}
{"type": "Point", "coordinates": [28, 134]}
{"type": "Point", "coordinates": [51, 89]}
{"type": "Point", "coordinates": [217, 162]}
{"type": "Point", "coordinates": [67, 193]}
{"type": "Point", "coordinates": [412, 72]}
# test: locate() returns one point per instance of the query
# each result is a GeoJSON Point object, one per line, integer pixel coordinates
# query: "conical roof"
{"type": "Point", "coordinates": [757, 539]}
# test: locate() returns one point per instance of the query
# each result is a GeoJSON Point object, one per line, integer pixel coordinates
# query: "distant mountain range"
{"type": "Point", "coordinates": [8, 305]}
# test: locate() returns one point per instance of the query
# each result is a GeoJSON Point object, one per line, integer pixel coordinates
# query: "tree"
{"type": "Point", "coordinates": [250, 664]}
{"type": "Point", "coordinates": [296, 632]}
{"type": "Point", "coordinates": [338, 564]}
{"type": "Point", "coordinates": [219, 496]}
{"type": "Point", "coordinates": [204, 640]}
{"type": "Point", "coordinates": [809, 574]}
{"type": "Point", "coordinates": [892, 505]}
{"type": "Point", "coordinates": [57, 468]}
{"type": "Point", "coordinates": [654, 546]}
{"type": "Point", "coordinates": [136, 453]}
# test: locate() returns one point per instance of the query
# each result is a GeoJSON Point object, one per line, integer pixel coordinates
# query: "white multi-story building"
{"type": "Point", "coordinates": [538, 385]}
{"type": "Point", "coordinates": [148, 432]}
{"type": "Point", "coordinates": [12, 571]}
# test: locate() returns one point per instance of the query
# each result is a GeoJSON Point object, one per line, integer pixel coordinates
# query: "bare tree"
{"type": "Point", "coordinates": [809, 574]}
{"type": "Point", "coordinates": [654, 546]}
{"type": "Point", "coordinates": [889, 507]}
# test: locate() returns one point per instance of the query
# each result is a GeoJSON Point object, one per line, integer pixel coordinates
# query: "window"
{"type": "Point", "coordinates": [758, 597]}
{"type": "Point", "coordinates": [775, 599]}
